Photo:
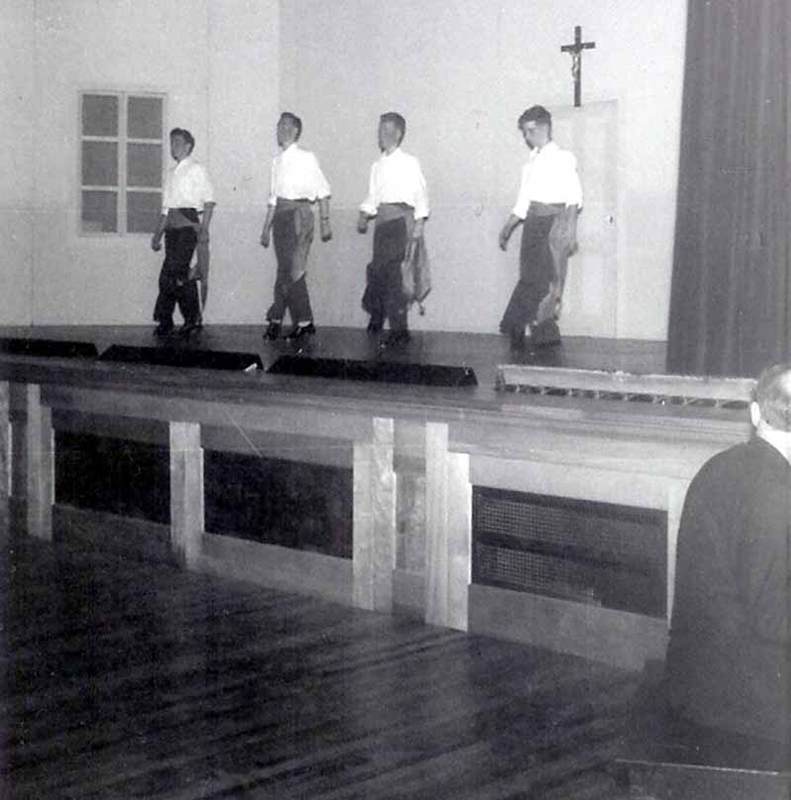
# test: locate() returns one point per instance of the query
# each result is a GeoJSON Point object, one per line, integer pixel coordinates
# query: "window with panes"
{"type": "Point", "coordinates": [122, 149]}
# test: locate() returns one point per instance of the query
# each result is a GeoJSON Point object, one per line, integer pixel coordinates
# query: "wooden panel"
{"type": "Point", "coordinates": [578, 481]}
{"type": "Point", "coordinates": [608, 437]}
{"type": "Point", "coordinates": [641, 450]}
{"type": "Point", "coordinates": [18, 419]}
{"type": "Point", "coordinates": [409, 591]}
{"type": "Point", "coordinates": [374, 519]}
{"type": "Point", "coordinates": [384, 514]}
{"type": "Point", "coordinates": [278, 416]}
{"type": "Point", "coordinates": [5, 454]}
{"type": "Point", "coordinates": [411, 521]}
{"type": "Point", "coordinates": [133, 429]}
{"type": "Point", "coordinates": [186, 491]}
{"type": "Point", "coordinates": [39, 465]}
{"type": "Point", "coordinates": [459, 539]}
{"type": "Point", "coordinates": [363, 526]}
{"type": "Point", "coordinates": [410, 449]}
{"type": "Point", "coordinates": [287, 503]}
{"type": "Point", "coordinates": [291, 447]}
{"type": "Point", "coordinates": [436, 573]}
{"type": "Point", "coordinates": [448, 531]}
{"type": "Point", "coordinates": [613, 637]}
{"type": "Point", "coordinates": [278, 568]}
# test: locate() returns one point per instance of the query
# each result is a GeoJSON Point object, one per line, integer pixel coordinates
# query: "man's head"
{"type": "Point", "coordinates": [181, 143]}
{"type": "Point", "coordinates": [392, 128]}
{"type": "Point", "coordinates": [771, 406]}
{"type": "Point", "coordinates": [536, 126]}
{"type": "Point", "coordinates": [289, 129]}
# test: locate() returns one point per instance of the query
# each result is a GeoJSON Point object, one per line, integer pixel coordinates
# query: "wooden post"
{"type": "Point", "coordinates": [40, 463]}
{"type": "Point", "coordinates": [374, 519]}
{"type": "Point", "coordinates": [459, 539]}
{"type": "Point", "coordinates": [448, 531]}
{"type": "Point", "coordinates": [5, 456]}
{"type": "Point", "coordinates": [186, 491]}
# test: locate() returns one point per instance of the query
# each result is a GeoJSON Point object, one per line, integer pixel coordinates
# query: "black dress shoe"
{"type": "Point", "coordinates": [545, 334]}
{"type": "Point", "coordinates": [188, 328]}
{"type": "Point", "coordinates": [518, 341]}
{"type": "Point", "coordinates": [300, 332]}
{"type": "Point", "coordinates": [272, 331]}
{"type": "Point", "coordinates": [162, 330]}
{"type": "Point", "coordinates": [397, 337]}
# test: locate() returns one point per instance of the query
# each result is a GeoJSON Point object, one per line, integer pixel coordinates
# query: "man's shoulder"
{"type": "Point", "coordinates": [732, 464]}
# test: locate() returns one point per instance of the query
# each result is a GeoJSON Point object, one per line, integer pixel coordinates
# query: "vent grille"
{"type": "Point", "coordinates": [596, 553]}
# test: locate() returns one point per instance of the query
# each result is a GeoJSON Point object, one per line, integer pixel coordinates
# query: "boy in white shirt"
{"type": "Point", "coordinates": [550, 197]}
{"type": "Point", "coordinates": [297, 182]}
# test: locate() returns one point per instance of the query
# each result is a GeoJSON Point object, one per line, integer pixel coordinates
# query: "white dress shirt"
{"type": "Point", "coordinates": [187, 186]}
{"type": "Point", "coordinates": [396, 178]}
{"type": "Point", "coordinates": [549, 176]}
{"type": "Point", "coordinates": [296, 175]}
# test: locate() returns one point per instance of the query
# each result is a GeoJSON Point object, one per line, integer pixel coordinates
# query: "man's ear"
{"type": "Point", "coordinates": [755, 413]}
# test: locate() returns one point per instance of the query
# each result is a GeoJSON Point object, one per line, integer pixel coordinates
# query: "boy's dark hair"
{"type": "Point", "coordinates": [185, 135]}
{"type": "Point", "coordinates": [397, 120]}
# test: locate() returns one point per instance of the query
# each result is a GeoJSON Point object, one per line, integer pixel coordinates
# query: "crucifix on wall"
{"type": "Point", "coordinates": [575, 50]}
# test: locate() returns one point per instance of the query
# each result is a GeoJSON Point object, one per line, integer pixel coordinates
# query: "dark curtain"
{"type": "Point", "coordinates": [730, 305]}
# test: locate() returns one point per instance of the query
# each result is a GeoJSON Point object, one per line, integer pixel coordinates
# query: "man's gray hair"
{"type": "Point", "coordinates": [773, 395]}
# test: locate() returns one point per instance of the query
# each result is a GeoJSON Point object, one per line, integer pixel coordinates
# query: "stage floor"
{"type": "Point", "coordinates": [481, 352]}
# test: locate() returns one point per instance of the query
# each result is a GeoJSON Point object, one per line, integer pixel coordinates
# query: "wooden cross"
{"type": "Point", "coordinates": [576, 61]}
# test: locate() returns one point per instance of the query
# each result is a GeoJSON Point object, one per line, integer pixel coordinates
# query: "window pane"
{"type": "Point", "coordinates": [144, 118]}
{"type": "Point", "coordinates": [99, 212]}
{"type": "Point", "coordinates": [142, 211]}
{"type": "Point", "coordinates": [99, 115]}
{"type": "Point", "coordinates": [144, 165]}
{"type": "Point", "coordinates": [99, 164]}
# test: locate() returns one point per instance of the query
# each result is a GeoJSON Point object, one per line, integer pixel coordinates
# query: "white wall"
{"type": "Point", "coordinates": [217, 62]}
{"type": "Point", "coordinates": [461, 73]}
{"type": "Point", "coordinates": [16, 160]}
{"type": "Point", "coordinates": [244, 89]}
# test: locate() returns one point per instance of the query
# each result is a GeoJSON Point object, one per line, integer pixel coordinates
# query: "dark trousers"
{"type": "Point", "coordinates": [174, 286]}
{"type": "Point", "coordinates": [289, 295]}
{"type": "Point", "coordinates": [293, 296]}
{"type": "Point", "coordinates": [384, 294]}
{"type": "Point", "coordinates": [536, 271]}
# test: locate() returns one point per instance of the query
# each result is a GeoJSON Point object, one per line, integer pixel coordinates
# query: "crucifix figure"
{"type": "Point", "coordinates": [576, 61]}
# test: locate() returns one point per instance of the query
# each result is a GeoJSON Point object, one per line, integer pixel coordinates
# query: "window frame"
{"type": "Point", "coordinates": [122, 140]}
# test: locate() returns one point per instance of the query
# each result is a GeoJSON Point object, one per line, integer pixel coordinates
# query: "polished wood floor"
{"type": "Point", "coordinates": [125, 679]}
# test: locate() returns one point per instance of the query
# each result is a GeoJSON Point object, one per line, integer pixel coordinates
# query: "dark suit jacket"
{"type": "Point", "coordinates": [728, 658]}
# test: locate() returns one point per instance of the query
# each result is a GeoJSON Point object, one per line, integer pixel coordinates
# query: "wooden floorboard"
{"type": "Point", "coordinates": [123, 679]}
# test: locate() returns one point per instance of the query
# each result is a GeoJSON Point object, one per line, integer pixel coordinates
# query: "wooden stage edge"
{"type": "Point", "coordinates": [416, 454]}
